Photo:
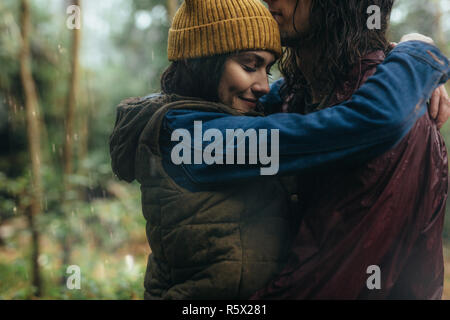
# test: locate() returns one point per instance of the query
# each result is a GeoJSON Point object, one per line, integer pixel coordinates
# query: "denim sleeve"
{"type": "Point", "coordinates": [272, 100]}
{"type": "Point", "coordinates": [377, 117]}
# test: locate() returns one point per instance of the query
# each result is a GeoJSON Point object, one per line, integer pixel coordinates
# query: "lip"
{"type": "Point", "coordinates": [250, 102]}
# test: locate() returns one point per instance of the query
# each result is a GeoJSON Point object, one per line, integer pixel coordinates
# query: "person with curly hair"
{"type": "Point", "coordinates": [386, 214]}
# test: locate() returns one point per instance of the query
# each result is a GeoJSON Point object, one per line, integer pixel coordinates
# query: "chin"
{"type": "Point", "coordinates": [242, 109]}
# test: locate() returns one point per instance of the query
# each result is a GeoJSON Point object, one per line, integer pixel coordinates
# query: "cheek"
{"type": "Point", "coordinates": [300, 18]}
{"type": "Point", "coordinates": [226, 91]}
{"type": "Point", "coordinates": [240, 80]}
{"type": "Point", "coordinates": [234, 81]}
{"type": "Point", "coordinates": [303, 13]}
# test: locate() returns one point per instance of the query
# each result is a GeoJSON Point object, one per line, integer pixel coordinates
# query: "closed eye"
{"type": "Point", "coordinates": [247, 68]}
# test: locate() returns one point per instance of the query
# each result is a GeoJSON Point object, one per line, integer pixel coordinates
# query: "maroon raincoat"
{"type": "Point", "coordinates": [388, 213]}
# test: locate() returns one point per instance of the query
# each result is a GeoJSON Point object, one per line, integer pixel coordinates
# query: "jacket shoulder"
{"type": "Point", "coordinates": [131, 118]}
{"type": "Point", "coordinates": [129, 104]}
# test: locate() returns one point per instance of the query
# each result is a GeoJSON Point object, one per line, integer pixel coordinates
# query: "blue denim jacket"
{"type": "Point", "coordinates": [377, 117]}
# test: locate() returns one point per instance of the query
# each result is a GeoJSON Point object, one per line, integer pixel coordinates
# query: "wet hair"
{"type": "Point", "coordinates": [198, 78]}
{"type": "Point", "coordinates": [339, 34]}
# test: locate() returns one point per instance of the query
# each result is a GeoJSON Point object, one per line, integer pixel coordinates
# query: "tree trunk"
{"type": "Point", "coordinates": [85, 109]}
{"type": "Point", "coordinates": [34, 142]}
{"type": "Point", "coordinates": [68, 151]}
{"type": "Point", "coordinates": [72, 100]}
{"type": "Point", "coordinates": [172, 6]}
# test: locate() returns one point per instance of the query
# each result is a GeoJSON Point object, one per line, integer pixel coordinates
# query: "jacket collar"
{"type": "Point", "coordinates": [365, 68]}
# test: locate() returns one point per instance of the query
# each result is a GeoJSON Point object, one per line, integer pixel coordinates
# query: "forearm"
{"type": "Point", "coordinates": [378, 116]}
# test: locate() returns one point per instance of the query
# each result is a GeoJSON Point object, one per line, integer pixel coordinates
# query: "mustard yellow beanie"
{"type": "Point", "coordinates": [203, 28]}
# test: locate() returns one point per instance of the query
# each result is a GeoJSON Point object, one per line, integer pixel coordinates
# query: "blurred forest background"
{"type": "Point", "coordinates": [60, 204]}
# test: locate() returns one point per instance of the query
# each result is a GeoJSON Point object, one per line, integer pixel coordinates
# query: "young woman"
{"type": "Point", "coordinates": [211, 236]}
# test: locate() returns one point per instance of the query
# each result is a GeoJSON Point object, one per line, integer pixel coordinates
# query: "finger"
{"type": "Point", "coordinates": [434, 103]}
{"type": "Point", "coordinates": [440, 124]}
{"type": "Point", "coordinates": [445, 116]}
{"type": "Point", "coordinates": [444, 108]}
{"type": "Point", "coordinates": [417, 37]}
{"type": "Point", "coordinates": [444, 90]}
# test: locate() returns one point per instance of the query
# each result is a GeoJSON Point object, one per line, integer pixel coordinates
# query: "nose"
{"type": "Point", "coordinates": [261, 87]}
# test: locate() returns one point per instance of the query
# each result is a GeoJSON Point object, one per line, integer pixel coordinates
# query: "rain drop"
{"type": "Point", "coordinates": [43, 260]}
{"type": "Point", "coordinates": [129, 260]}
{"type": "Point", "coordinates": [102, 270]}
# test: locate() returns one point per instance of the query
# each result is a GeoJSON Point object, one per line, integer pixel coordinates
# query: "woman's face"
{"type": "Point", "coordinates": [283, 12]}
{"type": "Point", "coordinates": [244, 79]}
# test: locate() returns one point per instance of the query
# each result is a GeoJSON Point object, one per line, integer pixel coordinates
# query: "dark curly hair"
{"type": "Point", "coordinates": [339, 34]}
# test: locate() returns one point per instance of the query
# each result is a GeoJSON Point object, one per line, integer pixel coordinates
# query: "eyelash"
{"type": "Point", "coordinates": [250, 69]}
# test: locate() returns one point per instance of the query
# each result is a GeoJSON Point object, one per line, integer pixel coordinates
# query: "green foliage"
{"type": "Point", "coordinates": [426, 17]}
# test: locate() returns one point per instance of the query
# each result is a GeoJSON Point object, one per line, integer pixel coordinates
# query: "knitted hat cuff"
{"type": "Point", "coordinates": [225, 36]}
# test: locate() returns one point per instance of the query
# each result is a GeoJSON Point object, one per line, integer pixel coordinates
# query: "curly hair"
{"type": "Point", "coordinates": [340, 37]}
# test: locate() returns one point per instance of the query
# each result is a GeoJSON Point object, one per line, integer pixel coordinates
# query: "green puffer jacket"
{"type": "Point", "coordinates": [205, 245]}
